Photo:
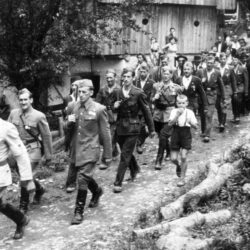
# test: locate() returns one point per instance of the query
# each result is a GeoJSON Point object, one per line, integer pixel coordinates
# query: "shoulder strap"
{"type": "Point", "coordinates": [28, 130]}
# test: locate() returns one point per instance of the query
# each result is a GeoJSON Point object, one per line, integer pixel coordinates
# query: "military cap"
{"type": "Point", "coordinates": [85, 83]}
{"type": "Point", "coordinates": [112, 71]}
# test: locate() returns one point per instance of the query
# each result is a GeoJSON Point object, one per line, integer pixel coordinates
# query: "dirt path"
{"type": "Point", "coordinates": [108, 226]}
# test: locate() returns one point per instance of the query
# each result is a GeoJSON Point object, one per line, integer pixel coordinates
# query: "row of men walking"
{"type": "Point", "coordinates": [127, 113]}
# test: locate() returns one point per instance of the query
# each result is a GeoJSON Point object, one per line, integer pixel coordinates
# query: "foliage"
{"type": "Point", "coordinates": [39, 39]}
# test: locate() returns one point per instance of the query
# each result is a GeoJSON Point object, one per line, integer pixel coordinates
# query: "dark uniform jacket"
{"type": "Point", "coordinates": [229, 80]}
{"type": "Point", "coordinates": [213, 87]}
{"type": "Point", "coordinates": [147, 89]}
{"type": "Point", "coordinates": [241, 79]}
{"type": "Point", "coordinates": [128, 121]}
{"type": "Point", "coordinates": [91, 126]}
{"type": "Point", "coordinates": [194, 92]}
{"type": "Point", "coordinates": [107, 99]}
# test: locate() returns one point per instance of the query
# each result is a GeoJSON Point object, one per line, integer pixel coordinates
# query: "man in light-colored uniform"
{"type": "Point", "coordinates": [11, 143]}
{"type": "Point", "coordinates": [34, 131]}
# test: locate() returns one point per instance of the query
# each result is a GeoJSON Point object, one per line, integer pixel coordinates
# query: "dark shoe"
{"type": "Point", "coordinates": [139, 150]}
{"type": "Point", "coordinates": [178, 170]}
{"type": "Point", "coordinates": [181, 182]}
{"type": "Point", "coordinates": [70, 189]}
{"type": "Point", "coordinates": [221, 128]}
{"type": "Point", "coordinates": [95, 198]}
{"type": "Point", "coordinates": [117, 189]}
{"type": "Point", "coordinates": [79, 207]}
{"type": "Point", "coordinates": [20, 228]}
{"type": "Point", "coordinates": [38, 196]}
{"type": "Point", "coordinates": [167, 158]}
{"type": "Point", "coordinates": [206, 139]}
{"type": "Point", "coordinates": [235, 121]}
{"type": "Point", "coordinates": [134, 173]}
{"type": "Point", "coordinates": [15, 215]}
{"type": "Point", "coordinates": [103, 166]}
{"type": "Point", "coordinates": [202, 135]}
{"type": "Point", "coordinates": [77, 219]}
{"type": "Point", "coordinates": [157, 166]}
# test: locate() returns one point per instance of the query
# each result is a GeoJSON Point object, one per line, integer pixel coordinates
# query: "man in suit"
{"type": "Point", "coordinates": [130, 102]}
{"type": "Point", "coordinates": [34, 131]}
{"type": "Point", "coordinates": [181, 61]}
{"type": "Point", "coordinates": [10, 142]}
{"type": "Point", "coordinates": [146, 84]}
{"type": "Point", "coordinates": [238, 103]}
{"type": "Point", "coordinates": [220, 45]}
{"type": "Point", "coordinates": [193, 89]}
{"type": "Point", "coordinates": [229, 80]}
{"type": "Point", "coordinates": [213, 86]}
{"type": "Point", "coordinates": [90, 125]}
{"type": "Point", "coordinates": [107, 96]}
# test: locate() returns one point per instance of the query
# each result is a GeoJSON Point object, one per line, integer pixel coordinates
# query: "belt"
{"type": "Point", "coordinates": [26, 142]}
{"type": "Point", "coordinates": [2, 163]}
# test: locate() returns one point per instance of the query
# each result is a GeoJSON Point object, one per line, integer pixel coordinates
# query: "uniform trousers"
{"type": "Point", "coordinates": [203, 118]}
{"type": "Point", "coordinates": [221, 111]}
{"type": "Point", "coordinates": [85, 178]}
{"type": "Point", "coordinates": [238, 105]}
{"type": "Point", "coordinates": [209, 119]}
{"type": "Point", "coordinates": [127, 145]}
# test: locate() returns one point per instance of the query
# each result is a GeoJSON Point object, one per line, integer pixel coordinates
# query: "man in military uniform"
{"type": "Point", "coordinates": [130, 102]}
{"type": "Point", "coordinates": [145, 83]}
{"type": "Point", "coordinates": [34, 131]}
{"type": "Point", "coordinates": [213, 86]}
{"type": "Point", "coordinates": [90, 125]}
{"type": "Point", "coordinates": [10, 142]}
{"type": "Point", "coordinates": [238, 103]}
{"type": "Point", "coordinates": [107, 96]}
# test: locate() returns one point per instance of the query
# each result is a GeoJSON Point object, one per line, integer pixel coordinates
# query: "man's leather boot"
{"type": "Point", "coordinates": [24, 200]}
{"type": "Point", "coordinates": [40, 190]}
{"type": "Point", "coordinates": [17, 216]}
{"type": "Point", "coordinates": [79, 208]}
{"type": "Point", "coordinates": [96, 197]}
{"type": "Point", "coordinates": [159, 158]}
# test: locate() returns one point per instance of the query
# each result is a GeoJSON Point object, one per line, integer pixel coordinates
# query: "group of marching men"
{"type": "Point", "coordinates": [163, 100]}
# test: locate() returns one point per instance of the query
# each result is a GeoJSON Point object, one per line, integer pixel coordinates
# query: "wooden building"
{"type": "Point", "coordinates": [196, 23]}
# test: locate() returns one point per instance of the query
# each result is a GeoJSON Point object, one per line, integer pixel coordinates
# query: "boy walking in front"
{"type": "Point", "coordinates": [182, 119]}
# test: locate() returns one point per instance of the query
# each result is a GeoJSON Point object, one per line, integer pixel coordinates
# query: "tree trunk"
{"type": "Point", "coordinates": [216, 178]}
{"type": "Point", "coordinates": [179, 237]}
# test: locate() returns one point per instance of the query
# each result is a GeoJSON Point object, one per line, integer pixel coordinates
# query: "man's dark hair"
{"type": "Point", "coordinates": [128, 69]}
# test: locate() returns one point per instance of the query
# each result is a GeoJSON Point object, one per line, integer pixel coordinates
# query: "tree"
{"type": "Point", "coordinates": [39, 39]}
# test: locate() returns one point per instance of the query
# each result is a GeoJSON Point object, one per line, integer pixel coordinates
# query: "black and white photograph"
{"type": "Point", "coordinates": [124, 125]}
